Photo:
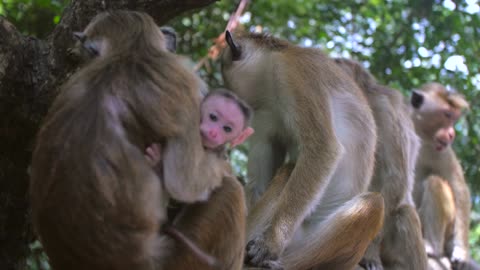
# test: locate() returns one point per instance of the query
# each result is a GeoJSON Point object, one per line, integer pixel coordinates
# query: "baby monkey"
{"type": "Point", "coordinates": [224, 123]}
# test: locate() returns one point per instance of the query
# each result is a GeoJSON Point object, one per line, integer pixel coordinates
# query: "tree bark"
{"type": "Point", "coordinates": [31, 70]}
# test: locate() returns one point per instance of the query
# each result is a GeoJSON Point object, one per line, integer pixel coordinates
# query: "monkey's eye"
{"type": "Point", "coordinates": [213, 117]}
{"type": "Point", "coordinates": [227, 129]}
{"type": "Point", "coordinates": [448, 115]}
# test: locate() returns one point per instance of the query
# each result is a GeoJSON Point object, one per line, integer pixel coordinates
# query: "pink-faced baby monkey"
{"type": "Point", "coordinates": [224, 120]}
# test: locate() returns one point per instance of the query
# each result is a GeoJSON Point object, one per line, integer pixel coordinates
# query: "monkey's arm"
{"type": "Point", "coordinates": [459, 244]}
{"type": "Point", "coordinates": [320, 152]}
{"type": "Point", "coordinates": [190, 173]}
{"type": "Point", "coordinates": [301, 194]}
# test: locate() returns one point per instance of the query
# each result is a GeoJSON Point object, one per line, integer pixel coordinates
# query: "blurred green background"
{"type": "Point", "coordinates": [404, 43]}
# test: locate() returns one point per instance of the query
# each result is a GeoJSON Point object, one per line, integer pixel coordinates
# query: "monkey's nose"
{"type": "Point", "coordinates": [213, 134]}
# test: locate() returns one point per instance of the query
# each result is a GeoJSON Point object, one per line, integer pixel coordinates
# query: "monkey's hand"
{"type": "Point", "coordinates": [258, 254]}
{"type": "Point", "coordinates": [459, 255]}
{"type": "Point", "coordinates": [153, 154]}
{"type": "Point", "coordinates": [371, 264]}
{"type": "Point", "coordinates": [430, 251]}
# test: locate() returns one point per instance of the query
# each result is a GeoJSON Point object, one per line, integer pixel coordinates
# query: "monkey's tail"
{"type": "Point", "coordinates": [201, 254]}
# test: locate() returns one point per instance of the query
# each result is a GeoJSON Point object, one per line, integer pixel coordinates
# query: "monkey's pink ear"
{"type": "Point", "coordinates": [247, 132]}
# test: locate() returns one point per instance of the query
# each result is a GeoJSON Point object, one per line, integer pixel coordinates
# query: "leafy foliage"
{"type": "Point", "coordinates": [33, 17]}
{"type": "Point", "coordinates": [404, 43]}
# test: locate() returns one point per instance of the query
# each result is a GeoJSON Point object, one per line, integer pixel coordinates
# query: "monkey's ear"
{"type": "Point", "coordinates": [170, 37]}
{"type": "Point", "coordinates": [236, 50]}
{"type": "Point", "coordinates": [242, 137]}
{"type": "Point", "coordinates": [417, 99]}
{"type": "Point", "coordinates": [80, 36]}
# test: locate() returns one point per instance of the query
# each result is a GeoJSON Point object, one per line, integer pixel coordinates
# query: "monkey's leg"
{"type": "Point", "coordinates": [402, 246]}
{"type": "Point", "coordinates": [217, 226]}
{"type": "Point", "coordinates": [341, 240]}
{"type": "Point", "coordinates": [437, 213]}
{"type": "Point", "coordinates": [260, 214]}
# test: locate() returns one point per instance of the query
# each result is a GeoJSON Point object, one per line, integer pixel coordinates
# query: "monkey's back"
{"type": "Point", "coordinates": [96, 202]}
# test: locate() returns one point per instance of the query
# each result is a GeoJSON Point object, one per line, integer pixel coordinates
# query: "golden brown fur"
{"type": "Point", "coordinates": [439, 181]}
{"type": "Point", "coordinates": [216, 230]}
{"type": "Point", "coordinates": [96, 202]}
{"type": "Point", "coordinates": [400, 245]}
{"type": "Point", "coordinates": [307, 110]}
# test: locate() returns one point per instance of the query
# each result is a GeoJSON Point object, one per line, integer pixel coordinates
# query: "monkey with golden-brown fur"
{"type": "Point", "coordinates": [400, 245]}
{"type": "Point", "coordinates": [441, 192]}
{"type": "Point", "coordinates": [96, 201]}
{"type": "Point", "coordinates": [315, 212]}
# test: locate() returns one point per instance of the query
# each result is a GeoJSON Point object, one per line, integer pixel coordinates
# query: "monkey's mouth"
{"type": "Point", "coordinates": [207, 142]}
{"type": "Point", "coordinates": [440, 145]}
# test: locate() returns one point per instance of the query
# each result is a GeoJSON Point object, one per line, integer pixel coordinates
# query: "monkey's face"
{"type": "Point", "coordinates": [434, 118]}
{"type": "Point", "coordinates": [221, 121]}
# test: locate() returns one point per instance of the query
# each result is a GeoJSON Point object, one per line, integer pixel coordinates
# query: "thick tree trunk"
{"type": "Point", "coordinates": [30, 72]}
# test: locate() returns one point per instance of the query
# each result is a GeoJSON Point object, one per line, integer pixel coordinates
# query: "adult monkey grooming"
{"type": "Point", "coordinates": [440, 192]}
{"type": "Point", "coordinates": [400, 245]}
{"type": "Point", "coordinates": [96, 202]}
{"type": "Point", "coordinates": [309, 215]}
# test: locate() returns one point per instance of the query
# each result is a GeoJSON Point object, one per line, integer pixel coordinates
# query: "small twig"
{"type": "Point", "coordinates": [219, 42]}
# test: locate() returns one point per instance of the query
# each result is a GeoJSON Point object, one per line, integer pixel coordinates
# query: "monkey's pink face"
{"type": "Point", "coordinates": [221, 121]}
{"type": "Point", "coordinates": [435, 119]}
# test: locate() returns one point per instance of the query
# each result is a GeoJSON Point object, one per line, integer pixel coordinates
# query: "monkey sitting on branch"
{"type": "Point", "coordinates": [311, 157]}
{"type": "Point", "coordinates": [96, 201]}
{"type": "Point", "coordinates": [400, 243]}
{"type": "Point", "coordinates": [441, 192]}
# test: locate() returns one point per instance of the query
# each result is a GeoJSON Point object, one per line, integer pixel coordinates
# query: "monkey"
{"type": "Point", "coordinates": [397, 149]}
{"type": "Point", "coordinates": [224, 120]}
{"type": "Point", "coordinates": [96, 202]}
{"type": "Point", "coordinates": [440, 192]}
{"type": "Point", "coordinates": [93, 48]}
{"type": "Point", "coordinates": [307, 200]}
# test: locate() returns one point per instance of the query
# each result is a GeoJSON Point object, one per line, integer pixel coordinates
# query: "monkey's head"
{"type": "Point", "coordinates": [435, 112]}
{"type": "Point", "coordinates": [120, 30]}
{"type": "Point", "coordinates": [245, 60]}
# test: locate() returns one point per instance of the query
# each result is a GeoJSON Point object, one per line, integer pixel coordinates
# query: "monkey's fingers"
{"type": "Point", "coordinates": [370, 264]}
{"type": "Point", "coordinates": [259, 255]}
{"type": "Point", "coordinates": [153, 154]}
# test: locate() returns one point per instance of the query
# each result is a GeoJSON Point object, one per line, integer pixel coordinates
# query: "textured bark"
{"type": "Point", "coordinates": [30, 72]}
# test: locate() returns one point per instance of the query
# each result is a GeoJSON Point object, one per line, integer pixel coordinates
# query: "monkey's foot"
{"type": "Point", "coordinates": [369, 264]}
{"type": "Point", "coordinates": [258, 254]}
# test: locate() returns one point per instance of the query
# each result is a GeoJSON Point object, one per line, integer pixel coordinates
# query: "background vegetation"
{"type": "Point", "coordinates": [404, 43]}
